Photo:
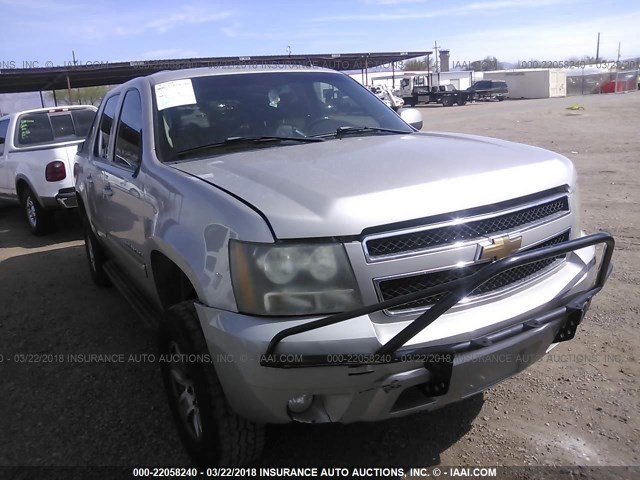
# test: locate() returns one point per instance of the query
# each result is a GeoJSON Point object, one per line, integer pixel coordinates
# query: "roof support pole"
{"type": "Point", "coordinates": [366, 69]}
{"type": "Point", "coordinates": [393, 74]}
{"type": "Point", "coordinates": [55, 100]}
{"type": "Point", "coordinates": [69, 90]}
{"type": "Point", "coordinates": [41, 99]}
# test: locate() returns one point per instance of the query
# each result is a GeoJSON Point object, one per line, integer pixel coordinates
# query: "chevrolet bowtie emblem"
{"type": "Point", "coordinates": [500, 248]}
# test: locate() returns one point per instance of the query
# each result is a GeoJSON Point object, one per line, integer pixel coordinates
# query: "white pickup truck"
{"type": "Point", "coordinates": [36, 159]}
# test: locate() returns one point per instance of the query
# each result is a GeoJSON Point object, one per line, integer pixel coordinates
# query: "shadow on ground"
{"type": "Point", "coordinates": [14, 231]}
{"type": "Point", "coordinates": [61, 409]}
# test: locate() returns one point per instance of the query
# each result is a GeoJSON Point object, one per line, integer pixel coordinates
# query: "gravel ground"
{"type": "Point", "coordinates": [577, 406]}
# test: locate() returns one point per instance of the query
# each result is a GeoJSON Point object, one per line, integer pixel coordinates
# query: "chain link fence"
{"type": "Point", "coordinates": [586, 82]}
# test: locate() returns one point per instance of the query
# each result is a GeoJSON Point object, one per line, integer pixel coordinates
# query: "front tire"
{"type": "Point", "coordinates": [39, 219]}
{"type": "Point", "coordinates": [212, 433]}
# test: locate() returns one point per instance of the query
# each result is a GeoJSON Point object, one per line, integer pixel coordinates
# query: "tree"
{"type": "Point", "coordinates": [417, 64]}
{"type": "Point", "coordinates": [80, 96]}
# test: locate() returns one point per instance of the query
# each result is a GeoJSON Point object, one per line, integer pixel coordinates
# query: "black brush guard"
{"type": "Point", "coordinates": [570, 314]}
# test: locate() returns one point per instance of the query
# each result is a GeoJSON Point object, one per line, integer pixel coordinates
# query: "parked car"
{"type": "Point", "coordinates": [308, 255]}
{"type": "Point", "coordinates": [488, 90]}
{"type": "Point", "coordinates": [623, 85]}
{"type": "Point", "coordinates": [36, 159]}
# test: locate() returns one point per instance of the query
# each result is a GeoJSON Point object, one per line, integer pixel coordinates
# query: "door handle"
{"type": "Point", "coordinates": [89, 179]}
{"type": "Point", "coordinates": [107, 190]}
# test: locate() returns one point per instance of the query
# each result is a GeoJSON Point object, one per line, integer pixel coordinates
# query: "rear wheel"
{"type": "Point", "coordinates": [210, 430]}
{"type": "Point", "coordinates": [95, 256]}
{"type": "Point", "coordinates": [39, 219]}
{"type": "Point", "coordinates": [447, 101]}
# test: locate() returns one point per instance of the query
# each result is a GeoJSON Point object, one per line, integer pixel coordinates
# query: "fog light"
{"type": "Point", "coordinates": [300, 404]}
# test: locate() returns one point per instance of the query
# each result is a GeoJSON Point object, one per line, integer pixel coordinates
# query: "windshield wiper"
{"type": "Point", "coordinates": [246, 140]}
{"type": "Point", "coordinates": [341, 131]}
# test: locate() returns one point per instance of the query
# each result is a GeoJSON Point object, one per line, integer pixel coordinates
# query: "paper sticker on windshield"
{"type": "Point", "coordinates": [175, 94]}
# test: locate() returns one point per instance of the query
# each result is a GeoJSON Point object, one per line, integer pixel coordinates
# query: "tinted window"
{"type": "Point", "coordinates": [3, 134]}
{"type": "Point", "coordinates": [47, 127]}
{"type": "Point", "coordinates": [34, 128]}
{"type": "Point", "coordinates": [129, 139]}
{"type": "Point", "coordinates": [106, 124]}
{"type": "Point", "coordinates": [82, 120]}
{"type": "Point", "coordinates": [62, 125]}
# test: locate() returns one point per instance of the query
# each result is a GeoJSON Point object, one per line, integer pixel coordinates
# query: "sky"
{"type": "Point", "coordinates": [45, 32]}
{"type": "Point", "coordinates": [512, 30]}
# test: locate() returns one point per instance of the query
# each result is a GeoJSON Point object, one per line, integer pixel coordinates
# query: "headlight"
{"type": "Point", "coordinates": [303, 279]}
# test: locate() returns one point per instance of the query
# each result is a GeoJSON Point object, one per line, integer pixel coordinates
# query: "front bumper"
{"type": "Point", "coordinates": [353, 376]}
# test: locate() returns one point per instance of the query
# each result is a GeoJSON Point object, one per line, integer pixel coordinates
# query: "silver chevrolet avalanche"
{"type": "Point", "coordinates": [307, 254]}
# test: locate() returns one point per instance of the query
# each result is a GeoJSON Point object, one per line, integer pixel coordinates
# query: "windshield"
{"type": "Point", "coordinates": [200, 111]}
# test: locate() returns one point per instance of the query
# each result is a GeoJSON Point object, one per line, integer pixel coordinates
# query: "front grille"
{"type": "Point", "coordinates": [420, 240]}
{"type": "Point", "coordinates": [401, 286]}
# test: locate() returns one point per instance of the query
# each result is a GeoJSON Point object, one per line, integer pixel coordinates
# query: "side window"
{"type": "Point", "coordinates": [106, 124]}
{"type": "Point", "coordinates": [4, 124]}
{"type": "Point", "coordinates": [129, 136]}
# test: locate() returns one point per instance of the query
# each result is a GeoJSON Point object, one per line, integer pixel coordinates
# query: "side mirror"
{"type": "Point", "coordinates": [413, 117]}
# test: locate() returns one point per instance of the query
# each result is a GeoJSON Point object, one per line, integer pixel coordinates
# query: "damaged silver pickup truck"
{"type": "Point", "coordinates": [309, 255]}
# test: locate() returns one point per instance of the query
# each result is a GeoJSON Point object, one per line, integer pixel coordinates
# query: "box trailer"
{"type": "Point", "coordinates": [532, 83]}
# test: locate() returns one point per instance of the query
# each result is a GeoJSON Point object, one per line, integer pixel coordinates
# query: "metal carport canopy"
{"type": "Point", "coordinates": [56, 77]}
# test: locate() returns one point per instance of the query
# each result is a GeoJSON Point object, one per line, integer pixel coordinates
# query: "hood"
{"type": "Point", "coordinates": [340, 187]}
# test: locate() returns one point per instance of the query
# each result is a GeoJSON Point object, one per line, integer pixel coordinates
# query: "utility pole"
{"type": "Point", "coordinates": [598, 49]}
{"type": "Point", "coordinates": [435, 49]}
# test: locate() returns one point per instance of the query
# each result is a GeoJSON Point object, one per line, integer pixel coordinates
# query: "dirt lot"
{"type": "Point", "coordinates": [578, 406]}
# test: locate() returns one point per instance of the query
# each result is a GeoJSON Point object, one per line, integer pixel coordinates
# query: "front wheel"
{"type": "Point", "coordinates": [39, 219]}
{"type": "Point", "coordinates": [447, 101]}
{"type": "Point", "coordinates": [210, 430]}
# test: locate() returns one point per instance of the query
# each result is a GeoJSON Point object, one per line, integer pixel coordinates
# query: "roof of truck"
{"type": "Point", "coordinates": [168, 75]}
{"type": "Point", "coordinates": [64, 108]}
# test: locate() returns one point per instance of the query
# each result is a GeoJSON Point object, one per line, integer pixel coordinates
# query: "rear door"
{"type": "Point", "coordinates": [5, 186]}
{"type": "Point", "coordinates": [128, 214]}
{"type": "Point", "coordinates": [98, 159]}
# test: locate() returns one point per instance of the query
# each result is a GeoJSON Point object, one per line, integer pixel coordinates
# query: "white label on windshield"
{"type": "Point", "coordinates": [175, 93]}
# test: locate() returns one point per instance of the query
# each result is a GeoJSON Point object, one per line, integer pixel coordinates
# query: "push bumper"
{"type": "Point", "coordinates": [354, 377]}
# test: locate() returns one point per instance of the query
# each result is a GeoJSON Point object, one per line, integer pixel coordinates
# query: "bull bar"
{"type": "Point", "coordinates": [569, 315]}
